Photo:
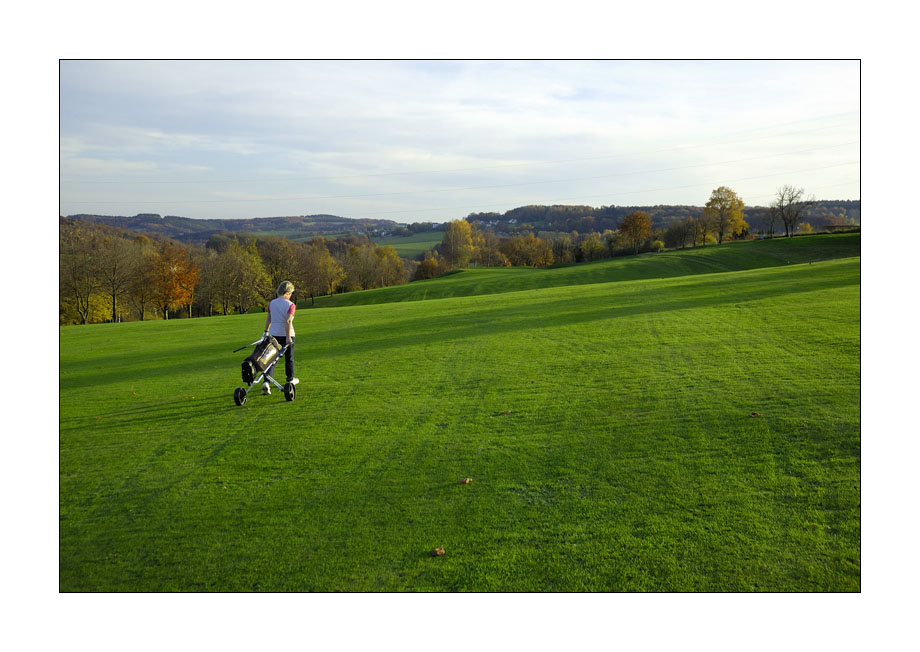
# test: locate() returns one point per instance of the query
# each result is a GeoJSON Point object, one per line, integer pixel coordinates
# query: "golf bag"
{"type": "Point", "coordinates": [264, 355]}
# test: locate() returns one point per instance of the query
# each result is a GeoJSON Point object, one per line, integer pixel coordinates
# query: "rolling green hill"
{"type": "Point", "coordinates": [627, 427]}
{"type": "Point", "coordinates": [702, 260]}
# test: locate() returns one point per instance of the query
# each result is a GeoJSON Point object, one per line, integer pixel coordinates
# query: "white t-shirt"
{"type": "Point", "coordinates": [280, 309]}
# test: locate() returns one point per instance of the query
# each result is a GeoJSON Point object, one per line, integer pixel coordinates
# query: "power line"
{"type": "Point", "coordinates": [607, 195]}
{"type": "Point", "coordinates": [494, 167]}
{"type": "Point", "coordinates": [467, 188]}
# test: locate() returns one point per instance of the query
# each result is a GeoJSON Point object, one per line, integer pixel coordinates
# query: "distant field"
{"type": "Point", "coordinates": [411, 246]}
{"type": "Point", "coordinates": [664, 432]}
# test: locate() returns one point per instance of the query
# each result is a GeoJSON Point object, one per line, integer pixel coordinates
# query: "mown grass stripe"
{"type": "Point", "coordinates": [606, 427]}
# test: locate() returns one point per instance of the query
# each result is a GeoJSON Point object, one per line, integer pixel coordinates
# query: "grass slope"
{"type": "Point", "coordinates": [729, 257]}
{"type": "Point", "coordinates": [606, 427]}
{"type": "Point", "coordinates": [410, 246]}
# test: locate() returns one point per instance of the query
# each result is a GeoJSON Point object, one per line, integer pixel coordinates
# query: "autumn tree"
{"type": "Point", "coordinates": [175, 276]}
{"type": "Point", "coordinates": [242, 280]}
{"type": "Point", "coordinates": [389, 267]}
{"type": "Point", "coordinates": [279, 258]}
{"type": "Point", "coordinates": [321, 274]}
{"type": "Point", "coordinates": [360, 265]}
{"type": "Point", "coordinates": [790, 206]}
{"type": "Point", "coordinates": [564, 246]}
{"type": "Point", "coordinates": [636, 229]}
{"type": "Point", "coordinates": [528, 250]}
{"type": "Point", "coordinates": [486, 246]}
{"type": "Point", "coordinates": [725, 210]}
{"type": "Point", "coordinates": [457, 245]}
{"type": "Point", "coordinates": [430, 267]}
{"type": "Point", "coordinates": [591, 248]}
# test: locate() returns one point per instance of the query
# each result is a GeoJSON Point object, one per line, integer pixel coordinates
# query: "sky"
{"type": "Point", "coordinates": [416, 141]}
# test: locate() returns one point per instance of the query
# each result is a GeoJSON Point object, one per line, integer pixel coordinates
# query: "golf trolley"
{"type": "Point", "coordinates": [255, 367]}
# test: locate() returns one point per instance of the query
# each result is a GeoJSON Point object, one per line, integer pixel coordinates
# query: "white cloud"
{"type": "Point", "coordinates": [347, 128]}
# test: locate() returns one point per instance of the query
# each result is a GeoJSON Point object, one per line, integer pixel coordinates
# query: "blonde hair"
{"type": "Point", "coordinates": [284, 287]}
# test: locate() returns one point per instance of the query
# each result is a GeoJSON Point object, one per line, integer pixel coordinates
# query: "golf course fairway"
{"type": "Point", "coordinates": [693, 426]}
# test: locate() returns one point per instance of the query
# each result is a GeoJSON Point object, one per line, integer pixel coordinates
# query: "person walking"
{"type": "Point", "coordinates": [279, 323]}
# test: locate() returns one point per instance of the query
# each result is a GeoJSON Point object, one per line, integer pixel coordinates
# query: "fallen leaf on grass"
{"type": "Point", "coordinates": [502, 413]}
{"type": "Point", "coordinates": [438, 552]}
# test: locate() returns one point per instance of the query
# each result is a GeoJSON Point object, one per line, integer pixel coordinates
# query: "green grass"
{"type": "Point", "coordinates": [410, 246]}
{"type": "Point", "coordinates": [606, 427]}
{"type": "Point", "coordinates": [730, 257]}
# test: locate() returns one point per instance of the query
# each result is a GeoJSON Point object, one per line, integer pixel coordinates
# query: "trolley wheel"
{"type": "Point", "coordinates": [239, 395]}
{"type": "Point", "coordinates": [289, 392]}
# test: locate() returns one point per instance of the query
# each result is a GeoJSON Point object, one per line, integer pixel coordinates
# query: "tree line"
{"type": "Point", "coordinates": [475, 241]}
{"type": "Point", "coordinates": [588, 219]}
{"type": "Point", "coordinates": [468, 244]}
{"type": "Point", "coordinates": [109, 274]}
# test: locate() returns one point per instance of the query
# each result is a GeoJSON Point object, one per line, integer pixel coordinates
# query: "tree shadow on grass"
{"type": "Point", "coordinates": [136, 417]}
{"type": "Point", "coordinates": [681, 294]}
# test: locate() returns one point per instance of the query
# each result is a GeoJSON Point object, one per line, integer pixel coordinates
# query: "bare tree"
{"type": "Point", "coordinates": [700, 228]}
{"type": "Point", "coordinates": [116, 261]}
{"type": "Point", "coordinates": [679, 233]}
{"type": "Point", "coordinates": [208, 261]}
{"type": "Point", "coordinates": [140, 289]}
{"type": "Point", "coordinates": [79, 270]}
{"type": "Point", "coordinates": [790, 206]}
{"type": "Point", "coordinates": [774, 217]}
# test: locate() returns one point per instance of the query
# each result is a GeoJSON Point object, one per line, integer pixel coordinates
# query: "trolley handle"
{"type": "Point", "coordinates": [248, 345]}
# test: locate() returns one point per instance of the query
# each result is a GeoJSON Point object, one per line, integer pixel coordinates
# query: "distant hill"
{"type": "Point", "coordinates": [186, 229]}
{"type": "Point", "coordinates": [557, 218]}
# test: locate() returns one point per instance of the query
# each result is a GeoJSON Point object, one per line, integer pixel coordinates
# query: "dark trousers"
{"type": "Point", "coordinates": [288, 359]}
